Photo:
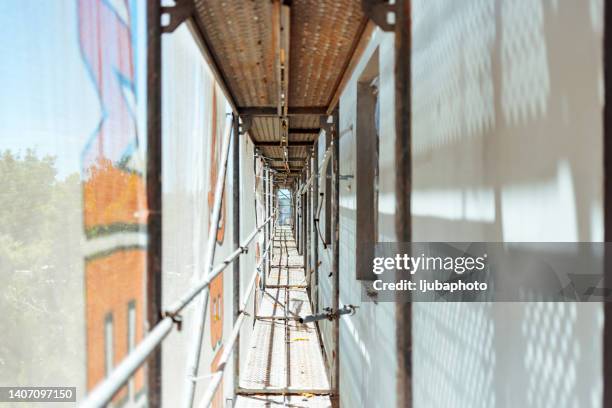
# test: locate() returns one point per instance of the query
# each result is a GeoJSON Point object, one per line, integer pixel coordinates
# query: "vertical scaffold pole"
{"type": "Point", "coordinates": [607, 164]}
{"type": "Point", "coordinates": [265, 264]}
{"type": "Point", "coordinates": [154, 195]}
{"type": "Point", "coordinates": [236, 143]}
{"type": "Point", "coordinates": [297, 216]}
{"type": "Point", "coordinates": [315, 242]}
{"type": "Point", "coordinates": [336, 255]}
{"type": "Point", "coordinates": [307, 223]}
{"type": "Point", "coordinates": [403, 185]}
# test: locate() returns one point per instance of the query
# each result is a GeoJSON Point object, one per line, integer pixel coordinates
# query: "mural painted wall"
{"type": "Point", "coordinates": [73, 208]}
{"type": "Point", "coordinates": [369, 335]}
{"type": "Point", "coordinates": [250, 172]}
{"type": "Point", "coordinates": [194, 119]}
{"type": "Point", "coordinates": [114, 197]}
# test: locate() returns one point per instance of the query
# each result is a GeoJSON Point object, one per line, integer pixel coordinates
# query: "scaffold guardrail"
{"type": "Point", "coordinates": [103, 393]}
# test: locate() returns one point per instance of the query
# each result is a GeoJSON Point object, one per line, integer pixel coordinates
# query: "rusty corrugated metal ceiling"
{"type": "Point", "coordinates": [245, 39]}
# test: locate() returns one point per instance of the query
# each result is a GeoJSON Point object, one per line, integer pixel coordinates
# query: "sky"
{"type": "Point", "coordinates": [47, 100]}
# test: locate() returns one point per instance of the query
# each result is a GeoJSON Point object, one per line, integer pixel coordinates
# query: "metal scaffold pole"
{"type": "Point", "coordinates": [403, 183]}
{"type": "Point", "coordinates": [193, 361]}
{"type": "Point", "coordinates": [236, 235]}
{"type": "Point", "coordinates": [267, 232]}
{"type": "Point", "coordinates": [315, 241]}
{"type": "Point", "coordinates": [104, 391]}
{"type": "Point", "coordinates": [336, 256]}
{"type": "Point", "coordinates": [307, 223]}
{"type": "Point", "coordinates": [607, 149]}
{"type": "Point", "coordinates": [154, 196]}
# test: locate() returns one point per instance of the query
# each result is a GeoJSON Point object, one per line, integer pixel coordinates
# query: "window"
{"type": "Point", "coordinates": [284, 206]}
{"type": "Point", "coordinates": [367, 170]}
{"type": "Point", "coordinates": [131, 338]}
{"type": "Point", "coordinates": [108, 344]}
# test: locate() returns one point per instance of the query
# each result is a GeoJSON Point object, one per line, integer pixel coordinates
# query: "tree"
{"type": "Point", "coordinates": [41, 269]}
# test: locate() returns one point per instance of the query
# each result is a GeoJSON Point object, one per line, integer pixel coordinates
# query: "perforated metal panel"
{"type": "Point", "coordinates": [284, 353]}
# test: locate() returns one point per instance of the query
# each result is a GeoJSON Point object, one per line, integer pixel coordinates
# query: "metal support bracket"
{"type": "Point", "coordinates": [325, 124]}
{"type": "Point", "coordinates": [176, 319]}
{"type": "Point", "coordinates": [379, 11]}
{"type": "Point", "coordinates": [329, 314]}
{"type": "Point", "coordinates": [245, 126]}
{"type": "Point", "coordinates": [178, 14]}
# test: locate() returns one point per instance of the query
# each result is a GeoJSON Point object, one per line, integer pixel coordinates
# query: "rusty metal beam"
{"type": "Point", "coordinates": [236, 144]}
{"type": "Point", "coordinates": [178, 14]}
{"type": "Point", "coordinates": [314, 286]}
{"type": "Point", "coordinates": [403, 186]}
{"type": "Point", "coordinates": [272, 111]}
{"type": "Point", "coordinates": [279, 159]}
{"type": "Point", "coordinates": [153, 305]}
{"type": "Point", "coordinates": [335, 269]}
{"type": "Point", "coordinates": [284, 159]}
{"type": "Point", "coordinates": [304, 131]}
{"type": "Point", "coordinates": [276, 144]}
{"type": "Point", "coordinates": [283, 59]}
{"type": "Point", "coordinates": [281, 170]}
{"type": "Point", "coordinates": [293, 164]}
{"type": "Point", "coordinates": [377, 11]}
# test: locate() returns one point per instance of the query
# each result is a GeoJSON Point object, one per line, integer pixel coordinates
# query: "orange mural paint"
{"type": "Point", "coordinates": [113, 199]}
{"type": "Point", "coordinates": [113, 283]}
{"type": "Point", "coordinates": [215, 152]}
{"type": "Point", "coordinates": [215, 308]}
{"type": "Point", "coordinates": [217, 401]}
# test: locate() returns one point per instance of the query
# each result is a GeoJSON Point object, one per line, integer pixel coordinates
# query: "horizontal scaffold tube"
{"type": "Point", "coordinates": [330, 315]}
{"type": "Point", "coordinates": [105, 391]}
{"type": "Point", "coordinates": [180, 304]}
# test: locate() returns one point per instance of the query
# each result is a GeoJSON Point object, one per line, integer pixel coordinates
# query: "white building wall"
{"type": "Point", "coordinates": [367, 378]}
{"type": "Point", "coordinates": [188, 87]}
{"type": "Point", "coordinates": [507, 146]}
{"type": "Point", "coordinates": [247, 225]}
{"type": "Point", "coordinates": [325, 259]}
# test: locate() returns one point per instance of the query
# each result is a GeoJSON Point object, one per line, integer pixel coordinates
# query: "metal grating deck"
{"type": "Point", "coordinates": [293, 401]}
{"type": "Point", "coordinates": [284, 365]}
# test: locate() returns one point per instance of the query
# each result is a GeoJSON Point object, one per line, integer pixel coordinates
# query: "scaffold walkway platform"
{"type": "Point", "coordinates": [285, 365]}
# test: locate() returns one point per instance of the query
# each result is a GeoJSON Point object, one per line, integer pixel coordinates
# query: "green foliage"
{"type": "Point", "coordinates": [41, 269]}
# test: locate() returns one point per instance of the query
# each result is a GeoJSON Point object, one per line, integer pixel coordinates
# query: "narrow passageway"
{"type": "Point", "coordinates": [284, 365]}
